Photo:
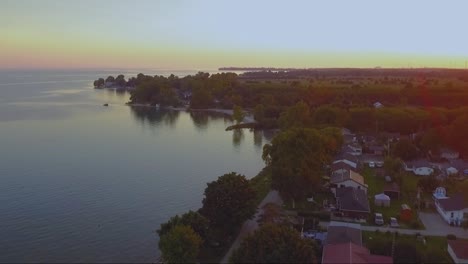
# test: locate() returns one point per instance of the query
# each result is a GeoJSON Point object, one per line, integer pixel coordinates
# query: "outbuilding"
{"type": "Point", "coordinates": [382, 199]}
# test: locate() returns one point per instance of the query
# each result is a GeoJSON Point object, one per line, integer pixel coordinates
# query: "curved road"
{"type": "Point", "coordinates": [251, 225]}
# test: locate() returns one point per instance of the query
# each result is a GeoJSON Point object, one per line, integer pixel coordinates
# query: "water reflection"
{"type": "Point", "coordinates": [201, 118]}
{"type": "Point", "coordinates": [237, 137]}
{"type": "Point", "coordinates": [258, 138]}
{"type": "Point", "coordinates": [155, 117]}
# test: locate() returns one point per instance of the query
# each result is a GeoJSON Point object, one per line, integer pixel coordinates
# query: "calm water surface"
{"type": "Point", "coordinates": [80, 182]}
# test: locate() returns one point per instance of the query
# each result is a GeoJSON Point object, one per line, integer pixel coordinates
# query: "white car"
{"type": "Point", "coordinates": [371, 164]}
{"type": "Point", "coordinates": [393, 222]}
{"type": "Point", "coordinates": [379, 219]}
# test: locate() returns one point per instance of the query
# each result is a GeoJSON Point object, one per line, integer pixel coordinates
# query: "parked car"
{"type": "Point", "coordinates": [379, 164]}
{"type": "Point", "coordinates": [379, 219]}
{"type": "Point", "coordinates": [371, 164]}
{"type": "Point", "coordinates": [394, 222]}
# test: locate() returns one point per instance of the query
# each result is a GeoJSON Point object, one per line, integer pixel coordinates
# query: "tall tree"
{"type": "Point", "coordinates": [229, 201]}
{"type": "Point", "coordinates": [195, 220]}
{"type": "Point", "coordinates": [297, 157]}
{"type": "Point", "coordinates": [405, 150]}
{"type": "Point", "coordinates": [297, 115]}
{"type": "Point", "coordinates": [180, 245]}
{"type": "Point", "coordinates": [238, 114]}
{"type": "Point", "coordinates": [273, 243]}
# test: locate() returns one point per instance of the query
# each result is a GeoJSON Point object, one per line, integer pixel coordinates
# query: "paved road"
{"type": "Point", "coordinates": [251, 225]}
{"type": "Point", "coordinates": [432, 221]}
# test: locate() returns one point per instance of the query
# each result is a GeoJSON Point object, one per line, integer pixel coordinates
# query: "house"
{"type": "Point", "coordinates": [347, 159]}
{"type": "Point", "coordinates": [353, 149]}
{"type": "Point", "coordinates": [392, 190]}
{"type": "Point", "coordinates": [376, 149]}
{"type": "Point", "coordinates": [419, 167]}
{"type": "Point", "coordinates": [347, 178]}
{"type": "Point", "coordinates": [351, 253]}
{"type": "Point", "coordinates": [458, 250]}
{"type": "Point", "coordinates": [449, 154]}
{"type": "Point", "coordinates": [342, 232]}
{"type": "Point", "coordinates": [341, 166]}
{"type": "Point", "coordinates": [352, 202]}
{"type": "Point", "coordinates": [451, 209]}
{"type": "Point", "coordinates": [382, 199]}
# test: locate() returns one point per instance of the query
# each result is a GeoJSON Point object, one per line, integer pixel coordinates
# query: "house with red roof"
{"type": "Point", "coordinates": [351, 253]}
{"type": "Point", "coordinates": [458, 250]}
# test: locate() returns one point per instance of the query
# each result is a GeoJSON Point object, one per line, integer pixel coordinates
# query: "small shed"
{"type": "Point", "coordinates": [405, 214]}
{"type": "Point", "coordinates": [382, 199]}
{"type": "Point", "coordinates": [392, 190]}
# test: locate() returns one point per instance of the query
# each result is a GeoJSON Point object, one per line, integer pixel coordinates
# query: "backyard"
{"type": "Point", "coordinates": [408, 191]}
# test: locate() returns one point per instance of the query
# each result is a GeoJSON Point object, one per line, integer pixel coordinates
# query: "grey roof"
{"type": "Point", "coordinates": [343, 234]}
{"type": "Point", "coordinates": [351, 199]}
{"type": "Point", "coordinates": [453, 203]}
{"type": "Point", "coordinates": [418, 163]}
{"type": "Point", "coordinates": [346, 156]}
{"type": "Point", "coordinates": [341, 166]}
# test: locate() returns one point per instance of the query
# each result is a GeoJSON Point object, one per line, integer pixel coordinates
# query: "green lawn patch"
{"type": "Point", "coordinates": [434, 250]}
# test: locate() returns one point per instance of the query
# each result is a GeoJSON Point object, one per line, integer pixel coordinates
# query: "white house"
{"type": "Point", "coordinates": [353, 149]}
{"type": "Point", "coordinates": [451, 209]}
{"type": "Point", "coordinates": [458, 250]}
{"type": "Point", "coordinates": [347, 178]}
{"type": "Point", "coordinates": [449, 154]}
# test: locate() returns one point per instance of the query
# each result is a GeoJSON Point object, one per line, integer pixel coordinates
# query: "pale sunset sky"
{"type": "Point", "coordinates": [187, 34]}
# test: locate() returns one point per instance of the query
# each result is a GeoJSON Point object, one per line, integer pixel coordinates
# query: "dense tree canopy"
{"type": "Point", "coordinates": [273, 243]}
{"type": "Point", "coordinates": [405, 150]}
{"type": "Point", "coordinates": [196, 221]}
{"type": "Point", "coordinates": [297, 157]}
{"type": "Point", "coordinates": [229, 201]}
{"type": "Point", "coordinates": [180, 245]}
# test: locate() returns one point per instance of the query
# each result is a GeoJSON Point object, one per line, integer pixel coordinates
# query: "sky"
{"type": "Point", "coordinates": [207, 34]}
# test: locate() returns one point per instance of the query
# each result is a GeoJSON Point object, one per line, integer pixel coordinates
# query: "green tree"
{"type": "Point", "coordinates": [297, 157]}
{"type": "Point", "coordinates": [275, 244]}
{"type": "Point", "coordinates": [259, 113]}
{"type": "Point", "coordinates": [392, 166]}
{"type": "Point", "coordinates": [458, 134]}
{"type": "Point", "coordinates": [238, 114]}
{"type": "Point", "coordinates": [195, 220]}
{"type": "Point", "coordinates": [180, 245]}
{"type": "Point", "coordinates": [295, 116]}
{"type": "Point", "coordinates": [229, 201]}
{"type": "Point", "coordinates": [99, 83]}
{"type": "Point", "coordinates": [405, 150]}
{"type": "Point", "coordinates": [428, 184]}
{"type": "Point", "coordinates": [329, 116]}
{"type": "Point", "coordinates": [110, 79]}
{"type": "Point", "coordinates": [120, 80]}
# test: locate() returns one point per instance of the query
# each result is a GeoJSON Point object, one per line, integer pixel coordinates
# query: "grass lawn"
{"type": "Point", "coordinates": [407, 195]}
{"type": "Point", "coordinates": [434, 245]}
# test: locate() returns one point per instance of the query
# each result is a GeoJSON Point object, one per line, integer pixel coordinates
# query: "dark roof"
{"type": "Point", "coordinates": [343, 234]}
{"type": "Point", "coordinates": [351, 253]}
{"type": "Point", "coordinates": [376, 148]}
{"type": "Point", "coordinates": [418, 163]}
{"type": "Point", "coordinates": [391, 187]}
{"type": "Point", "coordinates": [351, 199]}
{"type": "Point", "coordinates": [346, 156]}
{"type": "Point", "coordinates": [341, 166]}
{"type": "Point", "coordinates": [453, 203]}
{"type": "Point", "coordinates": [459, 247]}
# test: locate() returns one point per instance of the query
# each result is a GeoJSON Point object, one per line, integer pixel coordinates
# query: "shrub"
{"type": "Point", "coordinates": [451, 237]}
{"type": "Point", "coordinates": [415, 224]}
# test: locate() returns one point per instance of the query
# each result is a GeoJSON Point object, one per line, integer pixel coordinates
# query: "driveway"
{"type": "Point", "coordinates": [435, 223]}
{"type": "Point", "coordinates": [251, 225]}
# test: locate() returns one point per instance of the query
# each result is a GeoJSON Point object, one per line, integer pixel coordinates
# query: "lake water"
{"type": "Point", "coordinates": [80, 182]}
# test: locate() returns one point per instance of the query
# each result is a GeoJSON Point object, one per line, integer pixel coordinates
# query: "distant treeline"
{"type": "Point", "coordinates": [411, 101]}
